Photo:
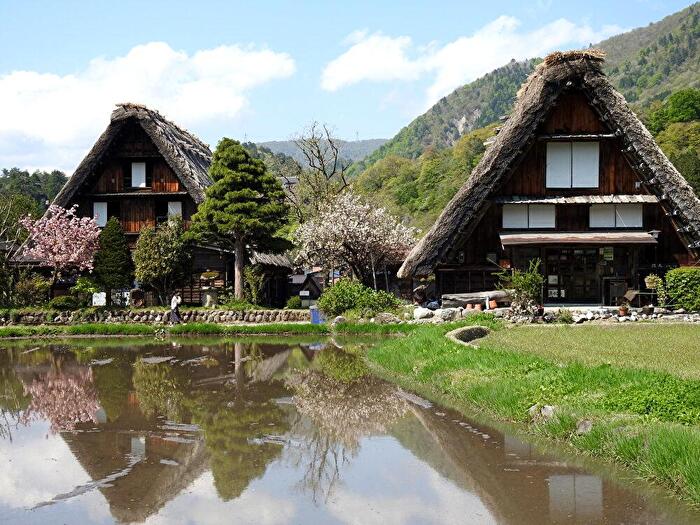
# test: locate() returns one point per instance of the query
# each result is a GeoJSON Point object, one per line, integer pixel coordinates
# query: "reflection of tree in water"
{"type": "Point", "coordinates": [113, 383]}
{"type": "Point", "coordinates": [338, 406]}
{"type": "Point", "coordinates": [63, 398]}
{"type": "Point", "coordinates": [230, 420]}
{"type": "Point", "coordinates": [160, 389]}
{"type": "Point", "coordinates": [12, 401]}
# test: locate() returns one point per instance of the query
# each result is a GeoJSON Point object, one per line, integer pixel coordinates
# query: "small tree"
{"type": "Point", "coordinates": [348, 231]}
{"type": "Point", "coordinates": [243, 207]}
{"type": "Point", "coordinates": [12, 208]}
{"type": "Point", "coordinates": [113, 267]}
{"type": "Point", "coordinates": [161, 256]}
{"type": "Point", "coordinates": [61, 240]}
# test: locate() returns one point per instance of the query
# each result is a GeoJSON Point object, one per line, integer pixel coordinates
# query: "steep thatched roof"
{"type": "Point", "coordinates": [557, 73]}
{"type": "Point", "coordinates": [188, 156]}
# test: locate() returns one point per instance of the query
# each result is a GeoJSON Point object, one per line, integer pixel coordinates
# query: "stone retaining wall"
{"type": "Point", "coordinates": [154, 317]}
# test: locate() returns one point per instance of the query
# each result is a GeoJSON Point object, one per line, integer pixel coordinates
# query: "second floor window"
{"type": "Point", "coordinates": [573, 164]}
{"type": "Point", "coordinates": [523, 216]}
{"type": "Point", "coordinates": [616, 216]}
{"type": "Point", "coordinates": [99, 213]}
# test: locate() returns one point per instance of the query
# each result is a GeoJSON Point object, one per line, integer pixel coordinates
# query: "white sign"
{"type": "Point", "coordinates": [304, 293]}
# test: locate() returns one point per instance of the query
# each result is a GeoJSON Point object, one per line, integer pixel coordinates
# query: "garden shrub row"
{"type": "Point", "coordinates": [683, 288]}
{"type": "Point", "coordinates": [348, 295]}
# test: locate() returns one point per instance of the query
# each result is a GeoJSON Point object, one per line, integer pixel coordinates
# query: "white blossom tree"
{"type": "Point", "coordinates": [351, 232]}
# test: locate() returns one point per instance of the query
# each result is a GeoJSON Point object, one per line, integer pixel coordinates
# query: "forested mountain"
{"type": "Point", "coordinates": [352, 150]}
{"type": "Point", "coordinates": [644, 63]}
{"type": "Point", "coordinates": [417, 172]}
{"type": "Point", "coordinates": [467, 108]}
{"type": "Point", "coordinates": [651, 62]}
{"type": "Point", "coordinates": [40, 186]}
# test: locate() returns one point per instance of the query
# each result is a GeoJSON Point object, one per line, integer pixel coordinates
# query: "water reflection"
{"type": "Point", "coordinates": [268, 431]}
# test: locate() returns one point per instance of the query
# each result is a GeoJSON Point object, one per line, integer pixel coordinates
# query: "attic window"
{"type": "Point", "coordinates": [138, 174]}
{"type": "Point", "coordinates": [523, 216]}
{"type": "Point", "coordinates": [573, 164]}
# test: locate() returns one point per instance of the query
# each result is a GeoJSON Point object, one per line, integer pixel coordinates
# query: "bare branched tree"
{"type": "Point", "coordinates": [325, 173]}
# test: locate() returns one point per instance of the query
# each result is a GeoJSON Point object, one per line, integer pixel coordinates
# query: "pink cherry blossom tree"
{"type": "Point", "coordinates": [61, 240]}
{"type": "Point", "coordinates": [63, 399]}
{"type": "Point", "coordinates": [351, 232]}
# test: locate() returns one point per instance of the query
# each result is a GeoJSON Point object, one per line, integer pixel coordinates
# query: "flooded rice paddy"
{"type": "Point", "coordinates": [267, 431]}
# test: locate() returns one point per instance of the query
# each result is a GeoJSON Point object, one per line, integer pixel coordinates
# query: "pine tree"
{"type": "Point", "coordinates": [113, 267]}
{"type": "Point", "coordinates": [243, 207]}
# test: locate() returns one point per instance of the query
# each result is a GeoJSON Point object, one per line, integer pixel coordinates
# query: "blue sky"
{"type": "Point", "coordinates": [258, 71]}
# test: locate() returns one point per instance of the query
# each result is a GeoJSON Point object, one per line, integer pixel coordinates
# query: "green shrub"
{"type": "Point", "coordinates": [64, 302]}
{"type": "Point", "coordinates": [683, 288]}
{"type": "Point", "coordinates": [524, 286]}
{"type": "Point", "coordinates": [564, 316]}
{"type": "Point", "coordinates": [83, 290]}
{"type": "Point", "coordinates": [32, 291]}
{"type": "Point", "coordinates": [351, 295]}
{"type": "Point", "coordinates": [293, 303]}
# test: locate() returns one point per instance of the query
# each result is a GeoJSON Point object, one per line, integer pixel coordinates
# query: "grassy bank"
{"type": "Point", "coordinates": [645, 419]}
{"type": "Point", "coordinates": [212, 329]}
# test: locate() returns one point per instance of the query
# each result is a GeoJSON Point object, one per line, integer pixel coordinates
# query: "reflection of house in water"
{"type": "Point", "coordinates": [162, 467]}
{"type": "Point", "coordinates": [506, 473]}
{"type": "Point", "coordinates": [140, 463]}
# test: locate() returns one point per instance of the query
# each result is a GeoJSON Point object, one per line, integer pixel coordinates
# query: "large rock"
{"type": "Point", "coordinates": [422, 313]}
{"type": "Point", "coordinates": [386, 318]}
{"type": "Point", "coordinates": [447, 314]}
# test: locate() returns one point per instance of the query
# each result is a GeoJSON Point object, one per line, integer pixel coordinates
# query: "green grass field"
{"type": "Point", "coordinates": [673, 348]}
{"type": "Point", "coordinates": [647, 419]}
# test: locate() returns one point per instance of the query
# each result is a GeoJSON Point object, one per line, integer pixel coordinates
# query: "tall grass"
{"type": "Point", "coordinates": [647, 420]}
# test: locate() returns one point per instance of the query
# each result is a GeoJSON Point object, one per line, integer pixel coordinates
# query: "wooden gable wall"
{"type": "Point", "coordinates": [135, 207]}
{"type": "Point", "coordinates": [573, 114]}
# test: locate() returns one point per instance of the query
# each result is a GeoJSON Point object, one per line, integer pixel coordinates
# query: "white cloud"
{"type": "Point", "coordinates": [379, 58]}
{"type": "Point", "coordinates": [373, 57]}
{"type": "Point", "coordinates": [48, 120]}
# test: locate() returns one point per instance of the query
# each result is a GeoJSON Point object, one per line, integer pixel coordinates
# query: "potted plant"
{"type": "Point", "coordinates": [652, 281]}
{"type": "Point", "coordinates": [624, 309]}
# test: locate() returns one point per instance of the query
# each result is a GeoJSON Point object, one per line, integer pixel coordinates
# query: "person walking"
{"type": "Point", "coordinates": [175, 309]}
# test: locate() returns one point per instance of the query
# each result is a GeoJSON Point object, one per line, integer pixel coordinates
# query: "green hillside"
{"type": "Point", "coordinates": [351, 150]}
{"type": "Point", "coordinates": [645, 64]}
{"type": "Point", "coordinates": [468, 108]}
{"type": "Point", "coordinates": [417, 172]}
{"type": "Point", "coordinates": [651, 62]}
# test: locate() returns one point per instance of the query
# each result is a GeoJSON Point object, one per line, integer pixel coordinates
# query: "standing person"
{"type": "Point", "coordinates": [175, 309]}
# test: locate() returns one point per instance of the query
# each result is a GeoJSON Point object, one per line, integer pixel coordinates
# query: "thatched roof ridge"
{"type": "Point", "coordinates": [188, 156]}
{"type": "Point", "coordinates": [558, 72]}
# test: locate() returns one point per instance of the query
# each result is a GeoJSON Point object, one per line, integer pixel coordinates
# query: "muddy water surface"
{"type": "Point", "coordinates": [266, 431]}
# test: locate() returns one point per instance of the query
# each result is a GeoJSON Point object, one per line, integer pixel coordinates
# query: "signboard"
{"type": "Point", "coordinates": [99, 299]}
{"type": "Point", "coordinates": [304, 293]}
